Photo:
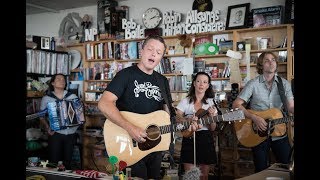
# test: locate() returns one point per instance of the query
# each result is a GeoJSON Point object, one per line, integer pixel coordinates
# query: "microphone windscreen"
{"type": "Point", "coordinates": [193, 174]}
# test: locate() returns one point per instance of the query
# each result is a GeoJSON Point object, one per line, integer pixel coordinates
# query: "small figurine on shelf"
{"type": "Point", "coordinates": [61, 166]}
{"type": "Point", "coordinates": [53, 44]}
{"type": "Point", "coordinates": [86, 21]}
{"type": "Point", "coordinates": [44, 163]}
{"type": "Point", "coordinates": [77, 36]}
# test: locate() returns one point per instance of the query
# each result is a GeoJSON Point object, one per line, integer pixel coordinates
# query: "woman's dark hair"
{"type": "Point", "coordinates": [155, 37]}
{"type": "Point", "coordinates": [51, 88]}
{"type": "Point", "coordinates": [259, 66]}
{"type": "Point", "coordinates": [192, 92]}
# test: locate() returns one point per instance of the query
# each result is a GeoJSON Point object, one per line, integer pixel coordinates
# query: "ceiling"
{"type": "Point", "coordinates": [43, 6]}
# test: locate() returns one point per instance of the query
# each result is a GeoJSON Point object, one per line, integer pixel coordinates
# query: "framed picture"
{"type": "Point", "coordinates": [267, 16]}
{"type": "Point", "coordinates": [237, 16]}
{"type": "Point", "coordinates": [225, 46]}
{"type": "Point", "coordinates": [45, 43]}
{"type": "Point", "coordinates": [241, 46]}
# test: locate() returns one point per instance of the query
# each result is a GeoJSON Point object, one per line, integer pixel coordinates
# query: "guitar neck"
{"type": "Point", "coordinates": [283, 120]}
{"type": "Point", "coordinates": [185, 124]}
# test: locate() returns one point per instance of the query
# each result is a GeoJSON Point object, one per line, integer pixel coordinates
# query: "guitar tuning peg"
{"type": "Point", "coordinates": [231, 110]}
{"type": "Point", "coordinates": [229, 122]}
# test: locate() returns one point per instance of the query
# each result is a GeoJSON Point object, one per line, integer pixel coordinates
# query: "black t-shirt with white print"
{"type": "Point", "coordinates": [137, 91]}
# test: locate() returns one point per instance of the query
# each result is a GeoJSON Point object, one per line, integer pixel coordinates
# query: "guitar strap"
{"type": "Point", "coordinates": [218, 109]}
{"type": "Point", "coordinates": [282, 96]}
{"type": "Point", "coordinates": [165, 92]}
{"type": "Point", "coordinates": [50, 93]}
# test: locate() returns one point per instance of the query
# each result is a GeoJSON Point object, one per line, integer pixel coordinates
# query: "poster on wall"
{"type": "Point", "coordinates": [106, 16]}
{"type": "Point", "coordinates": [289, 11]}
{"type": "Point", "coordinates": [267, 16]}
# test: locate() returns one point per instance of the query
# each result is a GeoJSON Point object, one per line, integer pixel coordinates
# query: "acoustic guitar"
{"type": "Point", "coordinates": [249, 135]}
{"type": "Point", "coordinates": [157, 125]}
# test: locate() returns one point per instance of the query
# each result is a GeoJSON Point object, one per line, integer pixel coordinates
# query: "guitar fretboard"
{"type": "Point", "coordinates": [282, 120]}
{"type": "Point", "coordinates": [185, 125]}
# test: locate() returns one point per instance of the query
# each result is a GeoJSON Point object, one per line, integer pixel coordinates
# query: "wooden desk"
{"type": "Point", "coordinates": [53, 174]}
{"type": "Point", "coordinates": [272, 171]}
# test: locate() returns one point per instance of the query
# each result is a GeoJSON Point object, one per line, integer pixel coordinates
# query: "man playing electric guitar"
{"type": "Point", "coordinates": [263, 94]}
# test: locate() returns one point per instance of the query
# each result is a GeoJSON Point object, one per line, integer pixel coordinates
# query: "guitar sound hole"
{"type": "Point", "coordinates": [153, 132]}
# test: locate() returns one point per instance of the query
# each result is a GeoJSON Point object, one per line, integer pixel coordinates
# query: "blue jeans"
{"type": "Point", "coordinates": [280, 148]}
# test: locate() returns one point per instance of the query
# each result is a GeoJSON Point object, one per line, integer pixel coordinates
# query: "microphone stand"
{"type": "Point", "coordinates": [219, 129]}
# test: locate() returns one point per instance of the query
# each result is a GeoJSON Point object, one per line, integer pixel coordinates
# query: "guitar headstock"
{"type": "Point", "coordinates": [233, 115]}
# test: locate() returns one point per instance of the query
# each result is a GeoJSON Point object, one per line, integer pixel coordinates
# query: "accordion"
{"type": "Point", "coordinates": [65, 113]}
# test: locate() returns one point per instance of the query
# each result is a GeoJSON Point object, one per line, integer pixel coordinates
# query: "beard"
{"type": "Point", "coordinates": [270, 70]}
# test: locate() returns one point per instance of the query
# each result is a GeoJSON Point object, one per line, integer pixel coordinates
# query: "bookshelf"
{"type": "Point", "coordinates": [40, 65]}
{"type": "Point", "coordinates": [107, 57]}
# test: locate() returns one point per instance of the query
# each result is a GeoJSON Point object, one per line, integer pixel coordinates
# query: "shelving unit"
{"type": "Point", "coordinates": [40, 64]}
{"type": "Point", "coordinates": [234, 157]}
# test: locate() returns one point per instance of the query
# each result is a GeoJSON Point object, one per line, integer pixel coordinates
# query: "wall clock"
{"type": "Point", "coordinates": [151, 18]}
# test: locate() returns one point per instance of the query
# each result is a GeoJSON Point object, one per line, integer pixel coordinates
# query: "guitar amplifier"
{"type": "Point", "coordinates": [65, 113]}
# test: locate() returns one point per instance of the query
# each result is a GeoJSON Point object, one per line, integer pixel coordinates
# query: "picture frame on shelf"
{"type": "Point", "coordinates": [237, 16]}
{"type": "Point", "coordinates": [45, 42]}
{"type": "Point", "coordinates": [225, 46]}
{"type": "Point", "coordinates": [171, 50]}
{"type": "Point", "coordinates": [241, 46]}
{"type": "Point", "coordinates": [264, 42]}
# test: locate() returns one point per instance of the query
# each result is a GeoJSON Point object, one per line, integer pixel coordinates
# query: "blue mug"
{"type": "Point", "coordinates": [33, 161]}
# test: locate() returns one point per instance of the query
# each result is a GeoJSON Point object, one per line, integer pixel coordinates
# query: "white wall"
{"type": "Point", "coordinates": [48, 24]}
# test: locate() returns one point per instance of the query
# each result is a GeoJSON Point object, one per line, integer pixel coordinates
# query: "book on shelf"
{"type": "Point", "coordinates": [178, 83]}
{"type": "Point", "coordinates": [188, 66]}
{"type": "Point", "coordinates": [178, 48]}
{"type": "Point", "coordinates": [42, 62]}
{"type": "Point", "coordinates": [177, 64]}
{"type": "Point", "coordinates": [133, 50]}
{"type": "Point", "coordinates": [117, 51]}
{"type": "Point", "coordinates": [216, 39]}
{"type": "Point", "coordinates": [90, 96]}
{"type": "Point", "coordinates": [199, 66]}
{"type": "Point", "coordinates": [110, 50]}
{"type": "Point", "coordinates": [170, 50]}
{"type": "Point", "coordinates": [139, 49]}
{"type": "Point", "coordinates": [166, 65]}
{"type": "Point", "coordinates": [202, 40]}
{"type": "Point", "coordinates": [282, 56]}
{"type": "Point", "coordinates": [124, 51]}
